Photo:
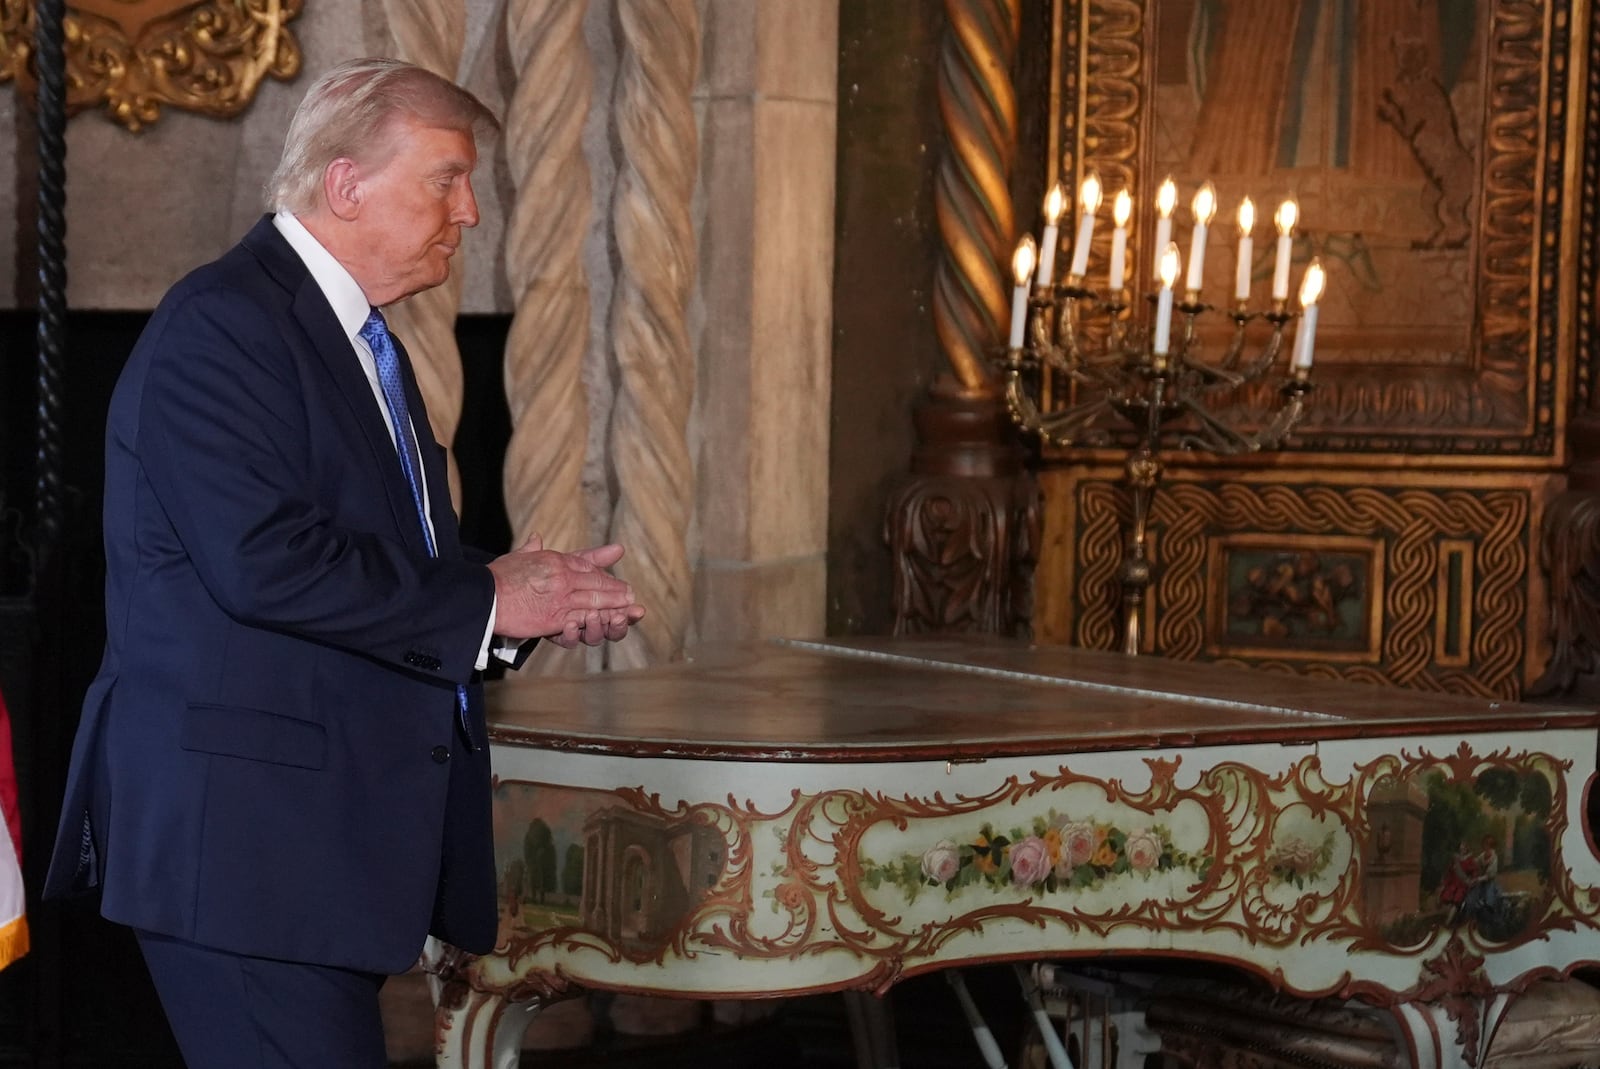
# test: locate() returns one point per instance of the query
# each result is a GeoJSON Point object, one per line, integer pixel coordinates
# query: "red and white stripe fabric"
{"type": "Point", "coordinates": [13, 908]}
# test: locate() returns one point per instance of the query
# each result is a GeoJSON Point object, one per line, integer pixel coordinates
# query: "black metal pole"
{"type": "Point", "coordinates": [50, 734]}
{"type": "Point", "coordinates": [51, 72]}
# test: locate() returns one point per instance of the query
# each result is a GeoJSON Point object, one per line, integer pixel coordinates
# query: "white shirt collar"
{"type": "Point", "coordinates": [342, 291]}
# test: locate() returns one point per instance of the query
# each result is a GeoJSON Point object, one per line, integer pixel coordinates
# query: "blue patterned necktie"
{"type": "Point", "coordinates": [376, 333]}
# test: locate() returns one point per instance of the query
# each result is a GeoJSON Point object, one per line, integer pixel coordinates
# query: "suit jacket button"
{"type": "Point", "coordinates": [441, 754]}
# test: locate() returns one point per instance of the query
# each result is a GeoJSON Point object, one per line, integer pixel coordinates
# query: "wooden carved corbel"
{"type": "Point", "coordinates": [963, 527]}
{"type": "Point", "coordinates": [1570, 553]}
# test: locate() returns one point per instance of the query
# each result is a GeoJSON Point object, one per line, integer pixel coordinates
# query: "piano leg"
{"type": "Point", "coordinates": [871, 1030]}
{"type": "Point", "coordinates": [481, 1030]}
{"type": "Point", "coordinates": [1439, 1041]}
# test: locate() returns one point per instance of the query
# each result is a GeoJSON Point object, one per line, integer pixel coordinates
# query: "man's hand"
{"type": "Point", "coordinates": [565, 597]}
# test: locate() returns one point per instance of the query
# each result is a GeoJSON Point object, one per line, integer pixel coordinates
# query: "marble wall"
{"type": "Point", "coordinates": [145, 208]}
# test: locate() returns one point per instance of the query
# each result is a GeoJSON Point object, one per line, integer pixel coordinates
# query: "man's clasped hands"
{"type": "Point", "coordinates": [566, 597]}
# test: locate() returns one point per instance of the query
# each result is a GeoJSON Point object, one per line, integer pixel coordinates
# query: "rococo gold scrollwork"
{"type": "Point", "coordinates": [1390, 861]}
{"type": "Point", "coordinates": [135, 56]}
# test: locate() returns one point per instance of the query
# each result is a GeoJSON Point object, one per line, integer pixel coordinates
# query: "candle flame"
{"type": "Point", "coordinates": [1205, 204]}
{"type": "Point", "coordinates": [1122, 209]}
{"type": "Point", "coordinates": [1288, 214]}
{"type": "Point", "coordinates": [1247, 216]}
{"type": "Point", "coordinates": [1166, 197]}
{"type": "Point", "coordinates": [1089, 194]}
{"type": "Point", "coordinates": [1023, 260]}
{"type": "Point", "coordinates": [1054, 201]}
{"type": "Point", "coordinates": [1311, 285]}
{"type": "Point", "coordinates": [1169, 265]}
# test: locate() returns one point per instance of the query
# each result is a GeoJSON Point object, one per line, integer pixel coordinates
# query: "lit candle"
{"type": "Point", "coordinates": [1166, 200]}
{"type": "Point", "coordinates": [1305, 334]}
{"type": "Point", "coordinates": [1088, 204]}
{"type": "Point", "coordinates": [1169, 275]}
{"type": "Point", "coordinates": [1205, 206]}
{"type": "Point", "coordinates": [1287, 215]}
{"type": "Point", "coordinates": [1241, 274]}
{"type": "Point", "coordinates": [1022, 270]}
{"type": "Point", "coordinates": [1121, 211]}
{"type": "Point", "coordinates": [1054, 201]}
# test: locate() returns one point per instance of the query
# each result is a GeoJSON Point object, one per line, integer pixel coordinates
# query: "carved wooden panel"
{"type": "Point", "coordinates": [1383, 578]}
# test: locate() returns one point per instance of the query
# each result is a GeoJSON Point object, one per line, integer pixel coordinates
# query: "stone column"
{"type": "Point", "coordinates": [768, 106]}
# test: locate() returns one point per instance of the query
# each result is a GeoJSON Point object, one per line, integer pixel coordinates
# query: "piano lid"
{"type": "Point", "coordinates": [920, 698]}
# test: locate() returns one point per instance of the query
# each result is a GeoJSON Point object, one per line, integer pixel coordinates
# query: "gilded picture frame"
{"type": "Point", "coordinates": [1439, 168]}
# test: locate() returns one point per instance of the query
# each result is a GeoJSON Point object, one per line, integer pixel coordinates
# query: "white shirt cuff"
{"type": "Point", "coordinates": [503, 649]}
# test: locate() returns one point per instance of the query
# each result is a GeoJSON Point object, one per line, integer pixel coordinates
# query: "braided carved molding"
{"type": "Point", "coordinates": [972, 198]}
{"type": "Point", "coordinates": [433, 34]}
{"type": "Point", "coordinates": [1409, 523]}
{"type": "Point", "coordinates": [543, 474]}
{"type": "Point", "coordinates": [654, 121]}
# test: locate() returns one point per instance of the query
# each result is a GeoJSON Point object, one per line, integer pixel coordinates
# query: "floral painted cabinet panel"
{"type": "Point", "coordinates": [1399, 869]}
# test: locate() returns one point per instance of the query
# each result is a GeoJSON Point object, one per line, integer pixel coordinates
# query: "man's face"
{"type": "Point", "coordinates": [412, 210]}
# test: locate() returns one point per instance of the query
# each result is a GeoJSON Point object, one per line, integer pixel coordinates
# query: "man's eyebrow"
{"type": "Point", "coordinates": [454, 167]}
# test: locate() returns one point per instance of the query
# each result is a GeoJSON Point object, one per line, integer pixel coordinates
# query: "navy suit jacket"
{"type": "Point", "coordinates": [270, 760]}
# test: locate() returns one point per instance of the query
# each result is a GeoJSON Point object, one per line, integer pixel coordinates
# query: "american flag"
{"type": "Point", "coordinates": [13, 908]}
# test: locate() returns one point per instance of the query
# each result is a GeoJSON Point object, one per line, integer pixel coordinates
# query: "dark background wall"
{"type": "Point", "coordinates": [886, 243]}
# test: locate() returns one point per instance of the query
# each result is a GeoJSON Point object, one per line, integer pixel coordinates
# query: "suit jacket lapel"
{"type": "Point", "coordinates": [327, 340]}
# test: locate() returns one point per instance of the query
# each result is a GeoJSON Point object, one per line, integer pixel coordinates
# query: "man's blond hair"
{"type": "Point", "coordinates": [352, 111]}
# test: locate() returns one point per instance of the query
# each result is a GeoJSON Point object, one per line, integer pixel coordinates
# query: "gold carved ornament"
{"type": "Point", "coordinates": [136, 55]}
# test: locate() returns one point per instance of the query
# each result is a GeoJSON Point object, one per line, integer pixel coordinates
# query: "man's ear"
{"type": "Point", "coordinates": [341, 185]}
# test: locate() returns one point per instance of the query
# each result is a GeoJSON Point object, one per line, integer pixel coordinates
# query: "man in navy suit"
{"type": "Point", "coordinates": [281, 778]}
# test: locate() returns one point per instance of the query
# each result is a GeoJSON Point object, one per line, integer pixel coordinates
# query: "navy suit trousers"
{"type": "Point", "coordinates": [231, 1011]}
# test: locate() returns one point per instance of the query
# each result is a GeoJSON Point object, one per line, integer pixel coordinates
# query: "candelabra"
{"type": "Point", "coordinates": [1079, 363]}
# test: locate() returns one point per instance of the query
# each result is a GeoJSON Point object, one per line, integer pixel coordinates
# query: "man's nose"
{"type": "Point", "coordinates": [465, 209]}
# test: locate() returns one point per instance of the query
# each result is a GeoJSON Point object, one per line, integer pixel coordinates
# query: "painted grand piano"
{"type": "Point", "coordinates": [790, 817]}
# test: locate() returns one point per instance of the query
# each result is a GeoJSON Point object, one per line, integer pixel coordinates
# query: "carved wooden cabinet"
{"type": "Point", "coordinates": [1444, 158]}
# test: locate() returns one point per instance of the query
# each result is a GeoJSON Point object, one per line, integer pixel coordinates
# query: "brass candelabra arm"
{"type": "Point", "coordinates": [1074, 425]}
{"type": "Point", "coordinates": [1242, 317]}
{"type": "Point", "coordinates": [1062, 307]}
{"type": "Point", "coordinates": [1190, 308]}
{"type": "Point", "coordinates": [1213, 435]}
{"type": "Point", "coordinates": [1229, 372]}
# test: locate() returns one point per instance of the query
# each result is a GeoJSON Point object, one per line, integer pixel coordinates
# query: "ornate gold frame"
{"type": "Point", "coordinates": [1504, 399]}
{"type": "Point", "coordinates": [135, 56]}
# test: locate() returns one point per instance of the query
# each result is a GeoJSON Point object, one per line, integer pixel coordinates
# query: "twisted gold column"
{"type": "Point", "coordinates": [543, 474]}
{"type": "Point", "coordinates": [659, 52]}
{"type": "Point", "coordinates": [972, 200]}
{"type": "Point", "coordinates": [432, 34]}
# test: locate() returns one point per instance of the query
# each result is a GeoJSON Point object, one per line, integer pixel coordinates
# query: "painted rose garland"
{"type": "Point", "coordinates": [1056, 853]}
